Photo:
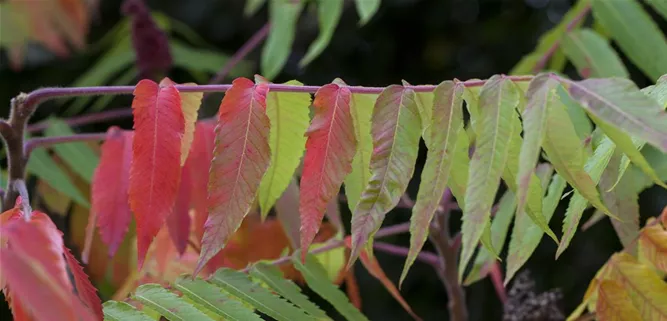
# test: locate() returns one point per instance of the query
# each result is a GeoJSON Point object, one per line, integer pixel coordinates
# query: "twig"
{"type": "Point", "coordinates": [85, 119]}
{"type": "Point", "coordinates": [440, 237]}
{"type": "Point", "coordinates": [426, 257]}
{"type": "Point", "coordinates": [33, 143]}
{"type": "Point", "coordinates": [550, 52]}
{"type": "Point", "coordinates": [334, 244]}
{"type": "Point", "coordinates": [247, 47]}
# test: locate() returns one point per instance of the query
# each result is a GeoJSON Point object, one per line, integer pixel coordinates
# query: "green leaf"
{"type": "Point", "coordinates": [203, 60]}
{"type": "Point", "coordinates": [212, 298]}
{"type": "Point", "coordinates": [328, 14]}
{"type": "Point", "coordinates": [355, 183]}
{"type": "Point", "coordinates": [317, 280]}
{"type": "Point", "coordinates": [106, 69]}
{"type": "Point", "coordinates": [636, 34]}
{"type": "Point", "coordinates": [630, 147]}
{"type": "Point", "coordinates": [659, 93]}
{"type": "Point", "coordinates": [284, 16]}
{"type": "Point", "coordinates": [272, 276]}
{"type": "Point", "coordinates": [499, 226]}
{"type": "Point", "coordinates": [619, 102]}
{"type": "Point", "coordinates": [550, 38]}
{"type": "Point", "coordinates": [288, 113]}
{"type": "Point", "coordinates": [448, 119]}
{"type": "Point", "coordinates": [578, 203]}
{"type": "Point", "coordinates": [78, 156]}
{"type": "Point", "coordinates": [238, 285]}
{"type": "Point", "coordinates": [526, 235]}
{"type": "Point", "coordinates": [541, 93]}
{"type": "Point", "coordinates": [396, 131]}
{"type": "Point", "coordinates": [124, 78]}
{"type": "Point", "coordinates": [121, 311]}
{"type": "Point", "coordinates": [624, 201]}
{"type": "Point", "coordinates": [367, 9]}
{"type": "Point", "coordinates": [498, 121]}
{"type": "Point", "coordinates": [252, 6]}
{"type": "Point", "coordinates": [43, 167]}
{"type": "Point", "coordinates": [167, 303]}
{"type": "Point", "coordinates": [458, 174]}
{"type": "Point", "coordinates": [425, 105]}
{"type": "Point", "coordinates": [582, 125]}
{"type": "Point", "coordinates": [592, 55]}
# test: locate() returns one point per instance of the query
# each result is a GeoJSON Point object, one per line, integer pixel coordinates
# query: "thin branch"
{"type": "Point", "coordinates": [85, 119]}
{"type": "Point", "coordinates": [439, 236]}
{"type": "Point", "coordinates": [43, 94]}
{"type": "Point", "coordinates": [552, 50]}
{"type": "Point", "coordinates": [424, 256]}
{"type": "Point", "coordinates": [334, 244]}
{"type": "Point", "coordinates": [33, 143]}
{"type": "Point", "coordinates": [246, 49]}
{"type": "Point", "coordinates": [12, 132]}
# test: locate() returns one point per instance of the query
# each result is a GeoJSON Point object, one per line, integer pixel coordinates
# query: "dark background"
{"type": "Point", "coordinates": [421, 41]}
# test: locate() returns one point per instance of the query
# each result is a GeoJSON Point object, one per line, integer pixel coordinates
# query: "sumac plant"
{"type": "Point", "coordinates": [191, 201]}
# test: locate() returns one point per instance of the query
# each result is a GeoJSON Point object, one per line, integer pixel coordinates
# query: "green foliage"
{"type": "Point", "coordinates": [232, 295]}
{"type": "Point", "coordinates": [78, 156]}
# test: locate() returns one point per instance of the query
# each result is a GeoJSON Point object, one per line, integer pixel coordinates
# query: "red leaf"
{"type": "Point", "coordinates": [86, 291]}
{"type": "Point", "coordinates": [36, 273]}
{"type": "Point", "coordinates": [178, 222]}
{"type": "Point", "coordinates": [241, 157]}
{"type": "Point", "coordinates": [155, 170]}
{"type": "Point", "coordinates": [198, 164]}
{"type": "Point", "coordinates": [110, 203]}
{"type": "Point", "coordinates": [330, 147]}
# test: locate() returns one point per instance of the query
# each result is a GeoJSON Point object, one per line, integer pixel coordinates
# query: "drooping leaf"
{"type": "Point", "coordinates": [168, 304]}
{"type": "Point", "coordinates": [241, 157]}
{"type": "Point", "coordinates": [288, 114]}
{"type": "Point", "coordinates": [366, 9]}
{"type": "Point", "coordinates": [84, 289]}
{"type": "Point", "coordinates": [283, 16]}
{"type": "Point", "coordinates": [252, 6]}
{"type": "Point", "coordinates": [645, 288]}
{"type": "Point", "coordinates": [190, 103]}
{"type": "Point", "coordinates": [540, 94]}
{"type": "Point", "coordinates": [121, 311]}
{"type": "Point", "coordinates": [614, 304]}
{"type": "Point", "coordinates": [424, 102]}
{"type": "Point", "coordinates": [458, 174]}
{"type": "Point", "coordinates": [396, 130]}
{"type": "Point", "coordinates": [653, 245]}
{"type": "Point", "coordinates": [356, 181]}
{"type": "Point", "coordinates": [498, 100]}
{"type": "Point", "coordinates": [582, 124]}
{"type": "Point", "coordinates": [178, 221]}
{"type": "Point", "coordinates": [623, 200]}
{"type": "Point", "coordinates": [590, 176]}
{"type": "Point", "coordinates": [330, 149]}
{"type": "Point", "coordinates": [642, 41]}
{"type": "Point", "coordinates": [111, 181]}
{"type": "Point", "coordinates": [155, 170]}
{"type": "Point", "coordinates": [619, 102]}
{"type": "Point", "coordinates": [501, 222]}
{"type": "Point", "coordinates": [34, 270]}
{"type": "Point", "coordinates": [592, 55]}
{"type": "Point", "coordinates": [78, 156]}
{"type": "Point", "coordinates": [328, 15]}
{"type": "Point", "coordinates": [317, 280]}
{"type": "Point", "coordinates": [213, 299]}
{"type": "Point", "coordinates": [629, 147]}
{"type": "Point", "coordinates": [526, 235]}
{"type": "Point", "coordinates": [45, 168]}
{"type": "Point", "coordinates": [448, 119]}
{"type": "Point", "coordinates": [199, 163]}
{"type": "Point", "coordinates": [272, 277]}
{"type": "Point", "coordinates": [238, 285]}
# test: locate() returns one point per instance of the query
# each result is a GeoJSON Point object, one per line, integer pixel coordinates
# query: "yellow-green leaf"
{"type": "Point", "coordinates": [614, 304]}
{"type": "Point", "coordinates": [355, 182]}
{"type": "Point", "coordinates": [283, 16]}
{"type": "Point", "coordinates": [592, 55]}
{"type": "Point", "coordinates": [328, 15]}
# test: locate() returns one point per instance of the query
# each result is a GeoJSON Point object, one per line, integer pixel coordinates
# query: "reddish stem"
{"type": "Point", "coordinates": [85, 119]}
{"type": "Point", "coordinates": [552, 50]}
{"type": "Point", "coordinates": [426, 257]}
{"type": "Point", "coordinates": [247, 47]}
{"type": "Point", "coordinates": [33, 143]}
